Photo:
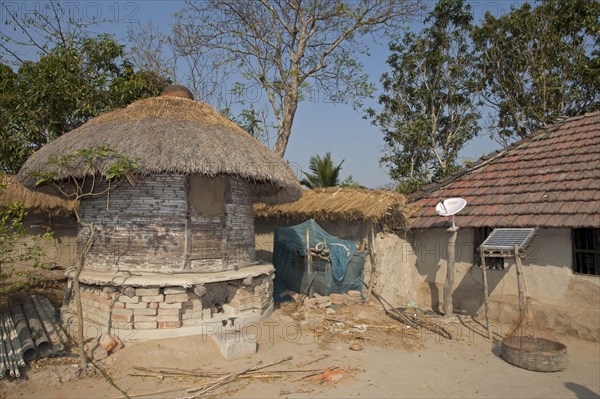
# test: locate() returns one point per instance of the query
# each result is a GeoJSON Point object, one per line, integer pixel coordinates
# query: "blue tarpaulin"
{"type": "Point", "coordinates": [340, 273]}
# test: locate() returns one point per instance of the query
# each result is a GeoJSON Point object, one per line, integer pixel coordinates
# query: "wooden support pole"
{"type": "Point", "coordinates": [187, 245]}
{"type": "Point", "coordinates": [520, 279]}
{"type": "Point", "coordinates": [448, 307]}
{"type": "Point", "coordinates": [308, 258]}
{"type": "Point", "coordinates": [371, 243]}
{"type": "Point", "coordinates": [486, 305]}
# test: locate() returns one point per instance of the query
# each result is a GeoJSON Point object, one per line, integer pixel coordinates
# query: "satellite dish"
{"type": "Point", "coordinates": [450, 207]}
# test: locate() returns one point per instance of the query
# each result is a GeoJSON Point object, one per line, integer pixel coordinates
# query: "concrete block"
{"type": "Point", "coordinates": [172, 298]}
{"type": "Point", "coordinates": [168, 312]}
{"type": "Point", "coordinates": [147, 291]}
{"type": "Point", "coordinates": [233, 347]}
{"type": "Point", "coordinates": [174, 290]}
{"type": "Point", "coordinates": [119, 325]}
{"type": "Point", "coordinates": [122, 317]}
{"type": "Point", "coordinates": [141, 305]}
{"type": "Point", "coordinates": [145, 325]}
{"type": "Point", "coordinates": [144, 312]}
{"type": "Point", "coordinates": [168, 317]}
{"type": "Point", "coordinates": [153, 298]}
{"type": "Point", "coordinates": [228, 309]}
{"type": "Point", "coordinates": [169, 324]}
{"type": "Point", "coordinates": [139, 318]}
{"type": "Point", "coordinates": [126, 299]}
{"type": "Point", "coordinates": [175, 305]}
{"type": "Point", "coordinates": [122, 312]}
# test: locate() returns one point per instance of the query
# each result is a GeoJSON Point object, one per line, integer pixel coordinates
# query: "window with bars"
{"type": "Point", "coordinates": [586, 251]}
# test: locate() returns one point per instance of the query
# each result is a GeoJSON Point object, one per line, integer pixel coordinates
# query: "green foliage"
{"type": "Point", "coordinates": [323, 172]}
{"type": "Point", "coordinates": [350, 183]}
{"type": "Point", "coordinates": [13, 250]}
{"type": "Point", "coordinates": [429, 101]}
{"type": "Point", "coordinates": [66, 87]}
{"type": "Point", "coordinates": [539, 63]}
{"type": "Point", "coordinates": [97, 163]}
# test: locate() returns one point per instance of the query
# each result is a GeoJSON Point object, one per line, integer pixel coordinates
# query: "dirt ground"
{"type": "Point", "coordinates": [394, 362]}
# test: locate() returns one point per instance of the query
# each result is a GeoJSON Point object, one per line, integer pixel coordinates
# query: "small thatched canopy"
{"type": "Point", "coordinates": [335, 203]}
{"type": "Point", "coordinates": [173, 135]}
{"type": "Point", "coordinates": [33, 201]}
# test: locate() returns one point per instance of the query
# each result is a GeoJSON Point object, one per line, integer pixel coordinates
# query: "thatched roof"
{"type": "Point", "coordinates": [173, 135]}
{"type": "Point", "coordinates": [349, 204]}
{"type": "Point", "coordinates": [33, 201]}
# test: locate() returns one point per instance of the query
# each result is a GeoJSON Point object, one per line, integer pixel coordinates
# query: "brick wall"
{"type": "Point", "coordinates": [149, 308]}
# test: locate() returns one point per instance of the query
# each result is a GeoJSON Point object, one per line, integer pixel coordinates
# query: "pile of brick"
{"type": "Point", "coordinates": [148, 308]}
{"type": "Point", "coordinates": [102, 347]}
{"type": "Point", "coordinates": [352, 297]}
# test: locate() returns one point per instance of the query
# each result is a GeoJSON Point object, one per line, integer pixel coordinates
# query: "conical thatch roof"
{"type": "Point", "coordinates": [347, 204]}
{"type": "Point", "coordinates": [173, 135]}
{"type": "Point", "coordinates": [33, 201]}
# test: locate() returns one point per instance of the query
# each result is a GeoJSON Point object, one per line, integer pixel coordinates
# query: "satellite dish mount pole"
{"type": "Point", "coordinates": [449, 283]}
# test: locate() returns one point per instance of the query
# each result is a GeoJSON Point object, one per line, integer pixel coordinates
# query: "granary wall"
{"type": "Point", "coordinates": [147, 227]}
{"type": "Point", "coordinates": [137, 228]}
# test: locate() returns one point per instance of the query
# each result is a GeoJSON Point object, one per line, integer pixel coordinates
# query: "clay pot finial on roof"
{"type": "Point", "coordinates": [177, 91]}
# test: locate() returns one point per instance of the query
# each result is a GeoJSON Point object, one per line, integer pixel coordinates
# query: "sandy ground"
{"type": "Point", "coordinates": [391, 364]}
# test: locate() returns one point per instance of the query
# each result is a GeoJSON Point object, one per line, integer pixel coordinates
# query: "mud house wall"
{"type": "Point", "coordinates": [144, 227]}
{"type": "Point", "coordinates": [59, 249]}
{"type": "Point", "coordinates": [561, 300]}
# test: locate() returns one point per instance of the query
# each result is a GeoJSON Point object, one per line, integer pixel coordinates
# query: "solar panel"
{"type": "Point", "coordinates": [506, 239]}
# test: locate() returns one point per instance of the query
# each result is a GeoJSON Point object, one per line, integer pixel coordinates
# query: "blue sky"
{"type": "Point", "coordinates": [319, 126]}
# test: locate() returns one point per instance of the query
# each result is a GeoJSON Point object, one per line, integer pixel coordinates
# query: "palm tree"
{"type": "Point", "coordinates": [323, 173]}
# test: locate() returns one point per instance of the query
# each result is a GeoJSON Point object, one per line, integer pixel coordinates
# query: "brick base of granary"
{"type": "Point", "coordinates": [136, 313]}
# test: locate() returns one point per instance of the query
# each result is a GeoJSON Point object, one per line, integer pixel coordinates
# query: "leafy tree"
{"type": "Point", "coordinates": [429, 101]}
{"type": "Point", "coordinates": [287, 48]}
{"type": "Point", "coordinates": [323, 172]}
{"type": "Point", "coordinates": [539, 63]}
{"type": "Point", "coordinates": [61, 91]}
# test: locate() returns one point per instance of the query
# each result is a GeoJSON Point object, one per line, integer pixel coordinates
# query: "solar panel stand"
{"type": "Point", "coordinates": [485, 293]}
{"type": "Point", "coordinates": [505, 243]}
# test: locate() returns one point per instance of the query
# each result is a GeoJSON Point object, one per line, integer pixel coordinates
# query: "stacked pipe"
{"type": "Point", "coordinates": [13, 355]}
{"type": "Point", "coordinates": [28, 331]}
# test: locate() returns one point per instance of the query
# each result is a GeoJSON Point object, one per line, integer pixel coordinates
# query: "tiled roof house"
{"type": "Point", "coordinates": [549, 180]}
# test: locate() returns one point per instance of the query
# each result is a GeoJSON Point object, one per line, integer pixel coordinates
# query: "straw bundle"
{"type": "Point", "coordinates": [33, 201]}
{"type": "Point", "coordinates": [337, 203]}
{"type": "Point", "coordinates": [173, 135]}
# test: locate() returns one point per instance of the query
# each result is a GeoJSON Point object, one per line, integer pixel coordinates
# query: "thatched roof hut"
{"type": "Point", "coordinates": [348, 204]}
{"type": "Point", "coordinates": [180, 238]}
{"type": "Point", "coordinates": [33, 201]}
{"type": "Point", "coordinates": [173, 135]}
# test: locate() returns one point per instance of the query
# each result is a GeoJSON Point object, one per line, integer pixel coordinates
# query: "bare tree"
{"type": "Point", "coordinates": [151, 50]}
{"type": "Point", "coordinates": [289, 47]}
{"type": "Point", "coordinates": [47, 25]}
